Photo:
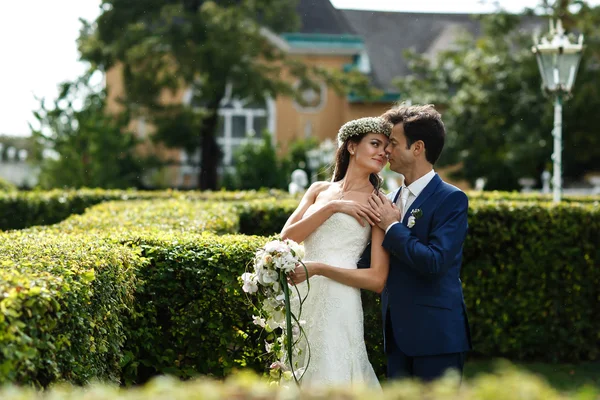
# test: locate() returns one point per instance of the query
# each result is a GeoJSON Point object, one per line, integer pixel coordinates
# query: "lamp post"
{"type": "Point", "coordinates": [558, 59]}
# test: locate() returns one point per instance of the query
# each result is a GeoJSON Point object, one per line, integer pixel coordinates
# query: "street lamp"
{"type": "Point", "coordinates": [558, 59]}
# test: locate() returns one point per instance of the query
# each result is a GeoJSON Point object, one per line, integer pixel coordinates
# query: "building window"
{"type": "Point", "coordinates": [240, 120]}
{"type": "Point", "coordinates": [311, 99]}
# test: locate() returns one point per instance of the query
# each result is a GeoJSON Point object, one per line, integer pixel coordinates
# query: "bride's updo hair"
{"type": "Point", "coordinates": [353, 132]}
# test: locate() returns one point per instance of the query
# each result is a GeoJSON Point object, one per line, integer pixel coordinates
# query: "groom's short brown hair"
{"type": "Point", "coordinates": [420, 122]}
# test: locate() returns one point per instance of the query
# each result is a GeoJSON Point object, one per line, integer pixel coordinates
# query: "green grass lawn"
{"type": "Point", "coordinates": [563, 377]}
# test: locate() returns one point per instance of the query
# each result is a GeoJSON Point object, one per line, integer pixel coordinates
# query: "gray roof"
{"type": "Point", "coordinates": [388, 34]}
{"type": "Point", "coordinates": [320, 16]}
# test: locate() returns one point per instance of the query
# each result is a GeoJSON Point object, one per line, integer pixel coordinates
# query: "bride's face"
{"type": "Point", "coordinates": [369, 153]}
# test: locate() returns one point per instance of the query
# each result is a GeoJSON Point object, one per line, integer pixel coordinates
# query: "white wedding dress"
{"type": "Point", "coordinates": [333, 311]}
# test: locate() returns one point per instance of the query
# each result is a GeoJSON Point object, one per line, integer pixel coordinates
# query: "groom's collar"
{"type": "Point", "coordinates": [417, 186]}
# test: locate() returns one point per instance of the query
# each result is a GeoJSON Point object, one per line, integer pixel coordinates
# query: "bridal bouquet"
{"type": "Point", "coordinates": [279, 304]}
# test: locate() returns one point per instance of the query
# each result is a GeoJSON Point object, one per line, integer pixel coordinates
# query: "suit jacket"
{"type": "Point", "coordinates": [423, 293]}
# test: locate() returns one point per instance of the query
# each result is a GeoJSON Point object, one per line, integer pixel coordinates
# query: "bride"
{"type": "Point", "coordinates": [335, 223]}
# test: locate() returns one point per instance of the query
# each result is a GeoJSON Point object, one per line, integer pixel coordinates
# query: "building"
{"type": "Point", "coordinates": [372, 41]}
{"type": "Point", "coordinates": [15, 165]}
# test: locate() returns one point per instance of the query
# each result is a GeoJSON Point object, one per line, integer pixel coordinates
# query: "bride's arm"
{"type": "Point", "coordinates": [373, 278]}
{"type": "Point", "coordinates": [297, 228]}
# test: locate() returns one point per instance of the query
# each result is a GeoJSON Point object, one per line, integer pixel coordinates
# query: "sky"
{"type": "Point", "coordinates": [38, 47]}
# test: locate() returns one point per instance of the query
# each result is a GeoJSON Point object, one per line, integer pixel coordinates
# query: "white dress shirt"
{"type": "Point", "coordinates": [415, 190]}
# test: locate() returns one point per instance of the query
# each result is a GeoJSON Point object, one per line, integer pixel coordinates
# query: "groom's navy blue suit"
{"type": "Point", "coordinates": [425, 322]}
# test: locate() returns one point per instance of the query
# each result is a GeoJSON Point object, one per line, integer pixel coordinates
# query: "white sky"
{"type": "Point", "coordinates": [38, 49]}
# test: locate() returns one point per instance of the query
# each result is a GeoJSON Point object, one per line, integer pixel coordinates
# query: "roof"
{"type": "Point", "coordinates": [384, 35]}
{"type": "Point", "coordinates": [320, 16]}
{"type": "Point", "coordinates": [387, 34]}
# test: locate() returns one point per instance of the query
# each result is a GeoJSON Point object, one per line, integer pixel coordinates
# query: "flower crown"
{"type": "Point", "coordinates": [362, 126]}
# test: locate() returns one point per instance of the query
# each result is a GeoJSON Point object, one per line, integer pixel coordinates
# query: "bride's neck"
{"type": "Point", "coordinates": [354, 180]}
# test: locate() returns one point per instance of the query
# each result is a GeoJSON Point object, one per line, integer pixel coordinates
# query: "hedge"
{"type": "Point", "coordinates": [506, 383]}
{"type": "Point", "coordinates": [531, 279]}
{"type": "Point", "coordinates": [19, 210]}
{"type": "Point", "coordinates": [530, 276]}
{"type": "Point", "coordinates": [517, 196]}
{"type": "Point", "coordinates": [206, 327]}
{"type": "Point", "coordinates": [62, 307]}
{"type": "Point", "coordinates": [183, 216]}
{"type": "Point", "coordinates": [6, 186]}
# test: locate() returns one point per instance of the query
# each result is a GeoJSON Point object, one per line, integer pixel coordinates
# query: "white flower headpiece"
{"type": "Point", "coordinates": [362, 126]}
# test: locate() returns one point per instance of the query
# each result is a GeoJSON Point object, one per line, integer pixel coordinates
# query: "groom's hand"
{"type": "Point", "coordinates": [387, 210]}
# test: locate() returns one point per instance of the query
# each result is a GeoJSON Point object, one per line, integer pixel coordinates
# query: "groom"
{"type": "Point", "coordinates": [426, 331]}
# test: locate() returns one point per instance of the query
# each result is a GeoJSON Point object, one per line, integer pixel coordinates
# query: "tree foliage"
{"type": "Point", "coordinates": [498, 120]}
{"type": "Point", "coordinates": [203, 46]}
{"type": "Point", "coordinates": [258, 166]}
{"type": "Point", "coordinates": [88, 146]}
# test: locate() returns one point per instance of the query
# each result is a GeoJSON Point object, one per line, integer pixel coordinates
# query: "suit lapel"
{"type": "Point", "coordinates": [424, 195]}
{"type": "Point", "coordinates": [397, 195]}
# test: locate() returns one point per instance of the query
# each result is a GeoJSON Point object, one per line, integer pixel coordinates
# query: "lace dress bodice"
{"type": "Point", "coordinates": [339, 241]}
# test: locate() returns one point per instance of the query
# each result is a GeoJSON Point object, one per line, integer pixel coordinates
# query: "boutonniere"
{"type": "Point", "coordinates": [414, 216]}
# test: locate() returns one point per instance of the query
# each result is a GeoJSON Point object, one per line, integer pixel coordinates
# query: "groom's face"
{"type": "Point", "coordinates": [399, 156]}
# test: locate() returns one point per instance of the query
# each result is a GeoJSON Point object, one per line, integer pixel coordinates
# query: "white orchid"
{"type": "Point", "coordinates": [296, 248]}
{"type": "Point", "coordinates": [268, 277]}
{"type": "Point", "coordinates": [276, 246]}
{"type": "Point", "coordinates": [259, 321]}
{"type": "Point", "coordinates": [250, 283]}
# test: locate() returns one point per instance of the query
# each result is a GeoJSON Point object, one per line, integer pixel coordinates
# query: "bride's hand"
{"type": "Point", "coordinates": [357, 210]}
{"type": "Point", "coordinates": [300, 274]}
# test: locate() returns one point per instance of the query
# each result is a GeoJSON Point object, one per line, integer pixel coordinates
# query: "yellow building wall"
{"type": "Point", "coordinates": [291, 122]}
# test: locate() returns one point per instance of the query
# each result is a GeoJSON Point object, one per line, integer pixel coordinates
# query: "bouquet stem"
{"type": "Point", "coordinates": [288, 323]}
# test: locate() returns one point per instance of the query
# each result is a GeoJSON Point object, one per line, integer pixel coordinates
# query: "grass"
{"type": "Point", "coordinates": [563, 377]}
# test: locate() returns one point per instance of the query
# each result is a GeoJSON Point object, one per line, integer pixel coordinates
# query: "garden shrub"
{"type": "Point", "coordinates": [64, 300]}
{"type": "Point", "coordinates": [165, 278]}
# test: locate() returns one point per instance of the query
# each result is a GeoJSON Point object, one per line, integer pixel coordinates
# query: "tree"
{"type": "Point", "coordinates": [90, 147]}
{"type": "Point", "coordinates": [204, 46]}
{"type": "Point", "coordinates": [258, 166]}
{"type": "Point", "coordinates": [499, 122]}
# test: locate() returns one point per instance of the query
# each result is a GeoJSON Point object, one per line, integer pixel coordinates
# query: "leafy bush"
{"type": "Point", "coordinates": [258, 166]}
{"type": "Point", "coordinates": [20, 210]}
{"type": "Point", "coordinates": [63, 305]}
{"type": "Point", "coordinates": [530, 277]}
{"type": "Point", "coordinates": [190, 313]}
{"type": "Point", "coordinates": [504, 384]}
{"type": "Point", "coordinates": [531, 280]}
{"type": "Point", "coordinates": [6, 186]}
{"type": "Point", "coordinates": [155, 215]}
{"type": "Point", "coordinates": [264, 217]}
{"type": "Point", "coordinates": [529, 197]}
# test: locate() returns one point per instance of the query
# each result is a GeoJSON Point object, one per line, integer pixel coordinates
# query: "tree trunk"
{"type": "Point", "coordinates": [211, 153]}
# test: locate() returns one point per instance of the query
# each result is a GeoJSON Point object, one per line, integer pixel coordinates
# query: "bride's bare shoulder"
{"type": "Point", "coordinates": [319, 186]}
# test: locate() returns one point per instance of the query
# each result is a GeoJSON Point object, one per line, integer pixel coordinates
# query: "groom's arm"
{"type": "Point", "coordinates": [445, 239]}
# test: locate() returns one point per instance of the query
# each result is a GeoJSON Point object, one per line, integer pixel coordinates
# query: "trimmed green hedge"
{"type": "Point", "coordinates": [20, 210]}
{"type": "Point", "coordinates": [264, 217]}
{"type": "Point", "coordinates": [63, 302]}
{"type": "Point", "coordinates": [183, 216]}
{"type": "Point", "coordinates": [531, 277]}
{"type": "Point", "coordinates": [505, 384]}
{"type": "Point", "coordinates": [530, 274]}
{"type": "Point", "coordinates": [516, 196]}
{"type": "Point", "coordinates": [6, 186]}
{"type": "Point", "coordinates": [189, 304]}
